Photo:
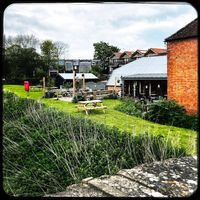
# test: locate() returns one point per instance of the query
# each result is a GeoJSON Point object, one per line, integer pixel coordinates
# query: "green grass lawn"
{"type": "Point", "coordinates": [113, 118]}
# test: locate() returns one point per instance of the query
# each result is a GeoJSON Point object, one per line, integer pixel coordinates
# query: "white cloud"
{"type": "Point", "coordinates": [80, 25]}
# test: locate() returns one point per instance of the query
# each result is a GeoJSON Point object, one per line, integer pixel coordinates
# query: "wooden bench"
{"type": "Point", "coordinates": [91, 105]}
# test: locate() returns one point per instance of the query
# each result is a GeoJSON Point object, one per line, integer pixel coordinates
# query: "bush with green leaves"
{"type": "Point", "coordinates": [111, 96]}
{"type": "Point", "coordinates": [67, 85]}
{"type": "Point", "coordinates": [13, 106]}
{"type": "Point", "coordinates": [165, 112]}
{"type": "Point", "coordinates": [189, 121]}
{"type": "Point", "coordinates": [78, 98]}
{"type": "Point", "coordinates": [131, 107]}
{"type": "Point", "coordinates": [45, 150]}
{"type": "Point", "coordinates": [169, 112]}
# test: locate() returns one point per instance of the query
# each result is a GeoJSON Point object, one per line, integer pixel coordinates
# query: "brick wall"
{"type": "Point", "coordinates": [183, 74]}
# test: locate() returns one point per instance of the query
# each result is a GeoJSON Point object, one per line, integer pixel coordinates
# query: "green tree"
{"type": "Point", "coordinates": [49, 54]}
{"type": "Point", "coordinates": [21, 63]}
{"type": "Point", "coordinates": [102, 51]}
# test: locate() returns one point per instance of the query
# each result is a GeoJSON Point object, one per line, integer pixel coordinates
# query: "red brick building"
{"type": "Point", "coordinates": [182, 67]}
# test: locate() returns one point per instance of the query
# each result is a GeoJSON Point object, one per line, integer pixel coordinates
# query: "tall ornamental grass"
{"type": "Point", "coordinates": [45, 150]}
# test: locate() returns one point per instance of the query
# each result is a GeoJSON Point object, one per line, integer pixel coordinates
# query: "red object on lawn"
{"type": "Point", "coordinates": [26, 86]}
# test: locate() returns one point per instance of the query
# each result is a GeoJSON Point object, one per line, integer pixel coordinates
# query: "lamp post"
{"type": "Point", "coordinates": [74, 80]}
{"type": "Point", "coordinates": [75, 67]}
{"type": "Point", "coordinates": [83, 75]}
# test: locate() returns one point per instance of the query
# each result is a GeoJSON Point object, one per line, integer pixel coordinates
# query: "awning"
{"type": "Point", "coordinates": [152, 76]}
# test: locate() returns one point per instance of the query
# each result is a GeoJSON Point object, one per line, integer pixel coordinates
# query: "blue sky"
{"type": "Point", "coordinates": [129, 26]}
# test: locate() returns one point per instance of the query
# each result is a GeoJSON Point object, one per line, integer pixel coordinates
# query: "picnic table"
{"type": "Point", "coordinates": [91, 105]}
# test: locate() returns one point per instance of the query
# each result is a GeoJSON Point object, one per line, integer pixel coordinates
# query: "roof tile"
{"type": "Point", "coordinates": [188, 31]}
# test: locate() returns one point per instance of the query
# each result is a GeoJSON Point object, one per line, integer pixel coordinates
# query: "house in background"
{"type": "Point", "coordinates": [138, 54]}
{"type": "Point", "coordinates": [121, 58]}
{"type": "Point", "coordinates": [115, 61]}
{"type": "Point", "coordinates": [96, 62]}
{"type": "Point", "coordinates": [82, 65]}
{"type": "Point", "coordinates": [155, 52]}
{"type": "Point", "coordinates": [126, 56]}
{"type": "Point", "coordinates": [182, 67]}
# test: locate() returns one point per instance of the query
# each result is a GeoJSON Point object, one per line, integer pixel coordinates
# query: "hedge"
{"type": "Point", "coordinates": [45, 150]}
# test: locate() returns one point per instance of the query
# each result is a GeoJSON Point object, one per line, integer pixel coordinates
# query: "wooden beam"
{"type": "Point", "coordinates": [74, 84]}
{"type": "Point", "coordinates": [83, 81]}
{"type": "Point", "coordinates": [149, 88]}
{"type": "Point", "coordinates": [129, 88]}
{"type": "Point", "coordinates": [134, 89]}
{"type": "Point", "coordinates": [140, 87]}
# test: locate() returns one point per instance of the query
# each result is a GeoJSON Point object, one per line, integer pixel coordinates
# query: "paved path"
{"type": "Point", "coordinates": [171, 178]}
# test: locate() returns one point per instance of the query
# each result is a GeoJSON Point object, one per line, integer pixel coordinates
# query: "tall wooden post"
{"type": "Point", "coordinates": [129, 88]}
{"type": "Point", "coordinates": [83, 75]}
{"type": "Point", "coordinates": [140, 88]}
{"type": "Point", "coordinates": [122, 87]}
{"type": "Point", "coordinates": [115, 85]}
{"type": "Point", "coordinates": [74, 84]}
{"type": "Point", "coordinates": [134, 89]}
{"type": "Point", "coordinates": [43, 80]}
{"type": "Point", "coordinates": [149, 88]}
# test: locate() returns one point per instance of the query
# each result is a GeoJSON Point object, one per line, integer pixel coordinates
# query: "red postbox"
{"type": "Point", "coordinates": [26, 86]}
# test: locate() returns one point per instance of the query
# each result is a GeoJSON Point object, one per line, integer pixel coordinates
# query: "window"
{"type": "Point", "coordinates": [68, 66]}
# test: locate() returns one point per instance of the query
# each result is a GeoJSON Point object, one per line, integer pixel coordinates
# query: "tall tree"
{"type": "Point", "coordinates": [102, 51]}
{"type": "Point", "coordinates": [62, 49]}
{"type": "Point", "coordinates": [21, 63]}
{"type": "Point", "coordinates": [24, 41]}
{"type": "Point", "coordinates": [49, 54]}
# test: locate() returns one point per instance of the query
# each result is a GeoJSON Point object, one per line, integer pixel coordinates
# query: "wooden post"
{"type": "Point", "coordinates": [134, 89]}
{"type": "Point", "coordinates": [122, 87]}
{"type": "Point", "coordinates": [149, 88]}
{"type": "Point", "coordinates": [44, 86]}
{"type": "Point", "coordinates": [129, 88]}
{"type": "Point", "coordinates": [83, 81]}
{"type": "Point", "coordinates": [74, 84]}
{"type": "Point", "coordinates": [94, 95]}
{"type": "Point", "coordinates": [140, 88]}
{"type": "Point", "coordinates": [115, 86]}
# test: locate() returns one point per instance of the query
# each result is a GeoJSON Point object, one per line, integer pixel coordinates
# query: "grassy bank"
{"type": "Point", "coordinates": [181, 137]}
{"type": "Point", "coordinates": [45, 150]}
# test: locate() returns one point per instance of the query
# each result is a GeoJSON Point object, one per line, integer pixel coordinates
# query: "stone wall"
{"type": "Point", "coordinates": [175, 177]}
{"type": "Point", "coordinates": [182, 73]}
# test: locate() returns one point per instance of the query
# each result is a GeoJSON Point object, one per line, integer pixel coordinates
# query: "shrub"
{"type": "Point", "coordinates": [67, 85]}
{"type": "Point", "coordinates": [165, 112]}
{"type": "Point", "coordinates": [78, 98]}
{"type": "Point", "coordinates": [44, 150]}
{"type": "Point", "coordinates": [169, 112]}
{"type": "Point", "coordinates": [111, 96]}
{"type": "Point", "coordinates": [131, 107]}
{"type": "Point", "coordinates": [49, 94]}
{"type": "Point", "coordinates": [189, 121]}
{"type": "Point", "coordinates": [13, 106]}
